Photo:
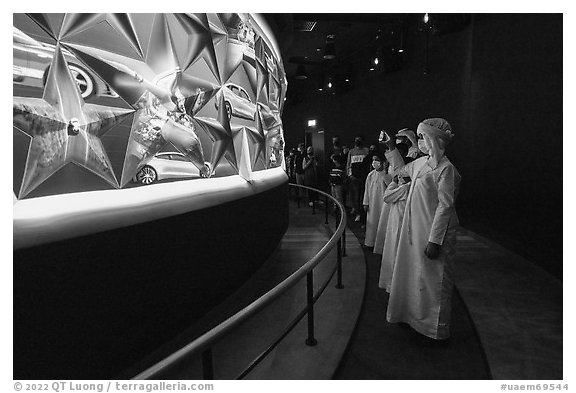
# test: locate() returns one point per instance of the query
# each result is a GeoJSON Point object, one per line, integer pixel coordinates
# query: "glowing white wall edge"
{"type": "Point", "coordinates": [47, 219]}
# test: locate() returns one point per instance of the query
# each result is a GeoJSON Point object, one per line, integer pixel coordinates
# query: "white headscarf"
{"type": "Point", "coordinates": [436, 128]}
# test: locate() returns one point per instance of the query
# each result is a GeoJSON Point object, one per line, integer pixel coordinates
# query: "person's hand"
{"type": "Point", "coordinates": [432, 250]}
{"type": "Point", "coordinates": [391, 140]}
{"type": "Point", "coordinates": [366, 208]}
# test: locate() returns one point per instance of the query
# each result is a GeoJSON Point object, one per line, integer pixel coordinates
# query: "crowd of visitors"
{"type": "Point", "coordinates": [403, 190]}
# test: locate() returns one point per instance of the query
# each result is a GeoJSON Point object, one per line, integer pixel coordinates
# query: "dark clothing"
{"type": "Point", "coordinates": [337, 176]}
{"type": "Point", "coordinates": [298, 163]}
{"type": "Point", "coordinates": [355, 164]}
{"type": "Point", "coordinates": [357, 176]}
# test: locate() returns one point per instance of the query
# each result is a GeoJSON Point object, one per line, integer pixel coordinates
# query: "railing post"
{"type": "Point", "coordinates": [311, 341]}
{"type": "Point", "coordinates": [207, 364]}
{"type": "Point", "coordinates": [344, 243]}
{"type": "Point", "coordinates": [325, 210]}
{"type": "Point", "coordinates": [339, 264]}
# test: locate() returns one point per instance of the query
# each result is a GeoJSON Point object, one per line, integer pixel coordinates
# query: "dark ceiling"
{"type": "Point", "coordinates": [358, 38]}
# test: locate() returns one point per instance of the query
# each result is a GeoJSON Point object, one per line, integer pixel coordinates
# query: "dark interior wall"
{"type": "Point", "coordinates": [90, 307]}
{"type": "Point", "coordinates": [515, 135]}
{"type": "Point", "coordinates": [499, 83]}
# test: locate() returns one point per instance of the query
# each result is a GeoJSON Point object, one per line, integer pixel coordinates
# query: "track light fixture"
{"type": "Point", "coordinates": [301, 72]}
{"type": "Point", "coordinates": [329, 49]}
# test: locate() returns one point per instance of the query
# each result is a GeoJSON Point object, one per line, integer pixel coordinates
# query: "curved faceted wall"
{"type": "Point", "coordinates": [98, 99]}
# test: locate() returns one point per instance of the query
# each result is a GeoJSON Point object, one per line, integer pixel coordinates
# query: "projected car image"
{"type": "Point", "coordinates": [237, 101]}
{"type": "Point", "coordinates": [166, 165]}
{"type": "Point", "coordinates": [31, 63]}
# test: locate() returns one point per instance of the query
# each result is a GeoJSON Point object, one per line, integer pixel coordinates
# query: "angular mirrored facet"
{"type": "Point", "coordinates": [73, 23]}
{"type": "Point", "coordinates": [47, 151]}
{"type": "Point", "coordinates": [161, 56]}
{"type": "Point", "coordinates": [50, 23]}
{"type": "Point", "coordinates": [123, 23]}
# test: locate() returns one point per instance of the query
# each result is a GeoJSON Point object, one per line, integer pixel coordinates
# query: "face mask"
{"type": "Point", "coordinates": [422, 146]}
{"type": "Point", "coordinates": [376, 164]}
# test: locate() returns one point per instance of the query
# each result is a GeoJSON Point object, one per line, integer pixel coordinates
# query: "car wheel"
{"type": "Point", "coordinates": [228, 110]}
{"type": "Point", "coordinates": [206, 171]}
{"type": "Point", "coordinates": [147, 175]}
{"type": "Point", "coordinates": [86, 85]}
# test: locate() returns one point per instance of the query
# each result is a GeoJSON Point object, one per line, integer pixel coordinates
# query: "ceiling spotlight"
{"type": "Point", "coordinates": [400, 50]}
{"type": "Point", "coordinates": [301, 72]}
{"type": "Point", "coordinates": [329, 85]}
{"type": "Point", "coordinates": [426, 18]}
{"type": "Point", "coordinates": [329, 50]}
{"type": "Point", "coordinates": [371, 68]}
{"type": "Point", "coordinates": [376, 61]}
{"type": "Point", "coordinates": [347, 80]}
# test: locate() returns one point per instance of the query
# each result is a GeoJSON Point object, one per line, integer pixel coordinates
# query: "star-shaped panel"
{"type": "Point", "coordinates": [220, 132]}
{"type": "Point", "coordinates": [167, 99]}
{"type": "Point", "coordinates": [153, 128]}
{"type": "Point", "coordinates": [63, 129]}
{"type": "Point", "coordinates": [201, 41]}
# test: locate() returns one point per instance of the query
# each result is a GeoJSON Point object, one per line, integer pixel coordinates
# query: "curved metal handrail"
{"type": "Point", "coordinates": [208, 339]}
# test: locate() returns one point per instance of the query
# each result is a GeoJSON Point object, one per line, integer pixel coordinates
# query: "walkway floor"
{"type": "Point", "coordinates": [514, 306]}
{"type": "Point", "coordinates": [506, 321]}
{"type": "Point", "coordinates": [381, 350]}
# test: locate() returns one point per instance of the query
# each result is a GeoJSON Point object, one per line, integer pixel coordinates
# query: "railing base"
{"type": "Point", "coordinates": [311, 342]}
{"type": "Point", "coordinates": [338, 286]}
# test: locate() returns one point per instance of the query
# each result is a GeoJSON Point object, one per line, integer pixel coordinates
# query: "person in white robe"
{"type": "Point", "coordinates": [422, 282]}
{"type": "Point", "coordinates": [376, 183]}
{"type": "Point", "coordinates": [395, 197]}
{"type": "Point", "coordinates": [381, 229]}
{"type": "Point", "coordinates": [410, 137]}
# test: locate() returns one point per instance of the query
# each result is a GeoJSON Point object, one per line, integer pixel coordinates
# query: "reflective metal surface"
{"type": "Point", "coordinates": [97, 96]}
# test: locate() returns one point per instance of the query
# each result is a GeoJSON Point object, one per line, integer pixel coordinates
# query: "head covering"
{"type": "Point", "coordinates": [436, 128]}
{"type": "Point", "coordinates": [408, 134]}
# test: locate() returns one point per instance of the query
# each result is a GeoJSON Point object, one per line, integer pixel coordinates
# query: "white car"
{"type": "Point", "coordinates": [167, 165]}
{"type": "Point", "coordinates": [32, 60]}
{"type": "Point", "coordinates": [237, 101]}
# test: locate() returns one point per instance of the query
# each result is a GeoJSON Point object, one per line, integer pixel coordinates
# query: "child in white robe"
{"type": "Point", "coordinates": [422, 281]}
{"type": "Point", "coordinates": [395, 197]}
{"type": "Point", "coordinates": [376, 183]}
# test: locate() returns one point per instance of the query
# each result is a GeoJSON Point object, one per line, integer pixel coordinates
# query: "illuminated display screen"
{"type": "Point", "coordinates": [110, 101]}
